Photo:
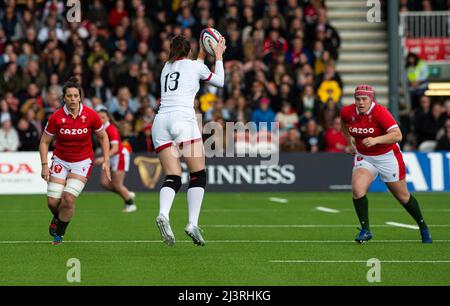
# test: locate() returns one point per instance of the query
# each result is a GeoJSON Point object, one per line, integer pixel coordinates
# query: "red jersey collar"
{"type": "Point", "coordinates": [368, 112]}
{"type": "Point", "coordinates": [107, 124]}
{"type": "Point", "coordinates": [69, 113]}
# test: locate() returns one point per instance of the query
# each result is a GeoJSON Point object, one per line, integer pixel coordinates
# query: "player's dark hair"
{"type": "Point", "coordinates": [179, 47]}
{"type": "Point", "coordinates": [72, 83]}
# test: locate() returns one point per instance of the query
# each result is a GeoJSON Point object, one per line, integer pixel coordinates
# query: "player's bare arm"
{"type": "Point", "coordinates": [112, 151]}
{"type": "Point", "coordinates": [350, 141]}
{"type": "Point", "coordinates": [393, 136]}
{"type": "Point", "coordinates": [104, 142]}
{"type": "Point", "coordinates": [43, 151]}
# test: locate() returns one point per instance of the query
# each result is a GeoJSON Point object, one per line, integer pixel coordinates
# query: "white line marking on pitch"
{"type": "Point", "coordinates": [279, 200]}
{"type": "Point", "coordinates": [359, 261]}
{"type": "Point", "coordinates": [415, 227]}
{"type": "Point", "coordinates": [218, 241]}
{"type": "Point", "coordinates": [299, 225]}
{"type": "Point", "coordinates": [328, 210]}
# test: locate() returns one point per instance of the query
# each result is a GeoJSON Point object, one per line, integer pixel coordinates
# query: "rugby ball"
{"type": "Point", "coordinates": [209, 36]}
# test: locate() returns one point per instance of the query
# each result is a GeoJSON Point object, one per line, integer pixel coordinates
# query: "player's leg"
{"type": "Point", "coordinates": [117, 178]}
{"type": "Point", "coordinates": [194, 156]}
{"type": "Point", "coordinates": [363, 175]}
{"type": "Point", "coordinates": [55, 188]}
{"type": "Point", "coordinates": [118, 171]}
{"type": "Point", "coordinates": [393, 173]}
{"type": "Point", "coordinates": [75, 182]}
{"type": "Point", "coordinates": [74, 186]}
{"type": "Point", "coordinates": [169, 158]}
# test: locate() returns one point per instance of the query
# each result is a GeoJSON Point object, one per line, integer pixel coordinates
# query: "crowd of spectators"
{"type": "Point", "coordinates": [280, 66]}
{"type": "Point", "coordinates": [427, 125]}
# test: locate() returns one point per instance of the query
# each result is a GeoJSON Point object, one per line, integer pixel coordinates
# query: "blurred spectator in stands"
{"type": "Point", "coordinates": [331, 38]}
{"type": "Point", "coordinates": [33, 74]}
{"type": "Point", "coordinates": [26, 56]}
{"type": "Point", "coordinates": [28, 136]}
{"type": "Point", "coordinates": [420, 115]}
{"type": "Point", "coordinates": [97, 13]}
{"type": "Point", "coordinates": [417, 71]}
{"type": "Point", "coordinates": [329, 90]}
{"type": "Point", "coordinates": [9, 55]}
{"type": "Point", "coordinates": [328, 74]}
{"type": "Point", "coordinates": [144, 54]}
{"type": "Point", "coordinates": [51, 101]}
{"type": "Point", "coordinates": [145, 118]}
{"type": "Point", "coordinates": [117, 68]}
{"type": "Point", "coordinates": [287, 118]}
{"type": "Point", "coordinates": [26, 20]}
{"type": "Point", "coordinates": [3, 41]}
{"type": "Point", "coordinates": [9, 138]}
{"type": "Point", "coordinates": [10, 80]}
{"type": "Point", "coordinates": [242, 112]}
{"type": "Point", "coordinates": [129, 140]}
{"type": "Point", "coordinates": [217, 110]}
{"type": "Point", "coordinates": [296, 51]}
{"type": "Point", "coordinates": [443, 143]}
{"type": "Point", "coordinates": [292, 142]}
{"type": "Point", "coordinates": [98, 52]}
{"type": "Point", "coordinates": [272, 44]}
{"type": "Point", "coordinates": [145, 139]}
{"type": "Point", "coordinates": [263, 116]}
{"type": "Point", "coordinates": [309, 106]}
{"type": "Point", "coordinates": [115, 15]}
{"type": "Point", "coordinates": [334, 138]}
{"type": "Point", "coordinates": [12, 107]}
{"type": "Point", "coordinates": [313, 137]}
{"type": "Point", "coordinates": [9, 21]}
{"type": "Point", "coordinates": [52, 31]}
{"type": "Point", "coordinates": [434, 121]}
{"type": "Point", "coordinates": [329, 112]}
{"type": "Point", "coordinates": [185, 18]}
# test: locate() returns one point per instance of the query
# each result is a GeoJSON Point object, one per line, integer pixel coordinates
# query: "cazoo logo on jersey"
{"type": "Point", "coordinates": [361, 130]}
{"type": "Point", "coordinates": [73, 131]}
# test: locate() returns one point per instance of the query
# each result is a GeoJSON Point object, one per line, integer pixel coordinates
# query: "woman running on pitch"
{"type": "Point", "coordinates": [376, 136]}
{"type": "Point", "coordinates": [175, 132]}
{"type": "Point", "coordinates": [120, 164]}
{"type": "Point", "coordinates": [72, 127]}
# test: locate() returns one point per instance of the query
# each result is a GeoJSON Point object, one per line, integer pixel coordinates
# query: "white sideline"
{"type": "Point", "coordinates": [217, 241]}
{"type": "Point", "coordinates": [328, 210]}
{"type": "Point", "coordinates": [300, 225]}
{"type": "Point", "coordinates": [279, 200]}
{"type": "Point", "coordinates": [415, 227]}
{"type": "Point", "coordinates": [359, 261]}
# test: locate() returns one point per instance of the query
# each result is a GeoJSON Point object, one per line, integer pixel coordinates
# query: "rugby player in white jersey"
{"type": "Point", "coordinates": [176, 133]}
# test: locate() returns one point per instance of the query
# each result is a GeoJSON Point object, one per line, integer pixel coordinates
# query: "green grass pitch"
{"type": "Point", "coordinates": [251, 240]}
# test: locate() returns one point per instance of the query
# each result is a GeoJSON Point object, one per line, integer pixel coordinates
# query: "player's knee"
{"type": "Point", "coordinates": [105, 184]}
{"type": "Point", "coordinates": [172, 181]}
{"type": "Point", "coordinates": [67, 201]}
{"type": "Point", "coordinates": [73, 187]}
{"type": "Point", "coordinates": [358, 193]}
{"type": "Point", "coordinates": [54, 192]}
{"type": "Point", "coordinates": [403, 198]}
{"type": "Point", "coordinates": [198, 179]}
{"type": "Point", "coordinates": [116, 185]}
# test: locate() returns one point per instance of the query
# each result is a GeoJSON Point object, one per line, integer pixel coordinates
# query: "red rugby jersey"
{"type": "Point", "coordinates": [73, 136]}
{"type": "Point", "coordinates": [114, 136]}
{"type": "Point", "coordinates": [377, 121]}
